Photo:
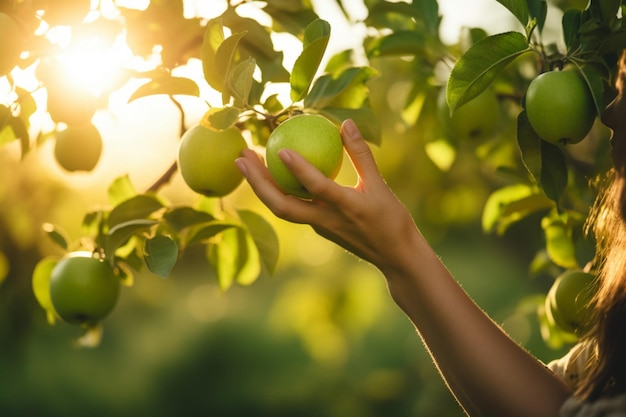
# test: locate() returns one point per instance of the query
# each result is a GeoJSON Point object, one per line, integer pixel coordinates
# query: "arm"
{"type": "Point", "coordinates": [489, 374]}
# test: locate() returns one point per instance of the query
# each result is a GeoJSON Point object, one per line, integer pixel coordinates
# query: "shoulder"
{"type": "Point", "coordinates": [575, 365]}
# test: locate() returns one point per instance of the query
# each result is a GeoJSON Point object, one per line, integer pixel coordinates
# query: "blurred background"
{"type": "Point", "coordinates": [319, 338]}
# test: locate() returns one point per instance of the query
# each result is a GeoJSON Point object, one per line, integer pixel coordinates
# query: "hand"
{"type": "Point", "coordinates": [367, 219]}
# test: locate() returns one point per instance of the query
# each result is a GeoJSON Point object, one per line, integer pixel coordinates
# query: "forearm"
{"type": "Point", "coordinates": [476, 358]}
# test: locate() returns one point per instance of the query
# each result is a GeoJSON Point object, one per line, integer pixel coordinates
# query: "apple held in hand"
{"type": "Point", "coordinates": [559, 107]}
{"type": "Point", "coordinates": [206, 159]}
{"type": "Point", "coordinates": [83, 289]}
{"type": "Point", "coordinates": [314, 137]}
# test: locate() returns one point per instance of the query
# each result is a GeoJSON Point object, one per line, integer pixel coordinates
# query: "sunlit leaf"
{"type": "Point", "coordinates": [183, 217]}
{"type": "Point", "coordinates": [559, 243]}
{"type": "Point", "coordinates": [121, 232]}
{"type": "Point", "coordinates": [363, 117]}
{"type": "Point", "coordinates": [510, 204]}
{"type": "Point", "coordinates": [5, 266]}
{"type": "Point", "coordinates": [213, 38]}
{"type": "Point", "coordinates": [224, 59]}
{"type": "Point", "coordinates": [240, 80]}
{"type": "Point", "coordinates": [203, 232]}
{"type": "Point", "coordinates": [235, 258]}
{"type": "Point", "coordinates": [138, 207]}
{"type": "Point", "coordinates": [223, 117]}
{"type": "Point", "coordinates": [41, 286]}
{"type": "Point", "coordinates": [316, 37]}
{"type": "Point", "coordinates": [264, 236]}
{"type": "Point", "coordinates": [160, 254]}
{"type": "Point", "coordinates": [167, 85]}
{"type": "Point", "coordinates": [347, 89]}
{"type": "Point", "coordinates": [120, 190]}
{"type": "Point", "coordinates": [476, 69]}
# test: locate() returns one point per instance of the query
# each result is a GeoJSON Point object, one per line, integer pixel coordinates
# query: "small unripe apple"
{"type": "Point", "coordinates": [78, 147]}
{"type": "Point", "coordinates": [314, 137]}
{"type": "Point", "coordinates": [568, 302]}
{"type": "Point", "coordinates": [83, 289]}
{"type": "Point", "coordinates": [206, 159]}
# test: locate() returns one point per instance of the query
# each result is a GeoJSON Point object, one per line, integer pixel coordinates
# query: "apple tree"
{"type": "Point", "coordinates": [480, 98]}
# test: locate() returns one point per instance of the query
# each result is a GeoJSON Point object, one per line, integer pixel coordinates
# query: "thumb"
{"type": "Point", "coordinates": [359, 152]}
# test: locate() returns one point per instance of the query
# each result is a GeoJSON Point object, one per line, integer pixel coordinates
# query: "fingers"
{"type": "Point", "coordinates": [284, 206]}
{"type": "Point", "coordinates": [359, 152]}
{"type": "Point", "coordinates": [320, 187]}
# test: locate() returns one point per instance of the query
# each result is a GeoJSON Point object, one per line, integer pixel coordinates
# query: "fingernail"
{"type": "Point", "coordinates": [350, 128]}
{"type": "Point", "coordinates": [284, 155]}
{"type": "Point", "coordinates": [241, 165]}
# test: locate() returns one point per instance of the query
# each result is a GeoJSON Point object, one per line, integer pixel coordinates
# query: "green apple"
{"type": "Point", "coordinates": [83, 289]}
{"type": "Point", "coordinates": [78, 147]}
{"type": "Point", "coordinates": [474, 121]}
{"type": "Point", "coordinates": [569, 300]}
{"type": "Point", "coordinates": [314, 137]}
{"type": "Point", "coordinates": [560, 107]}
{"type": "Point", "coordinates": [206, 159]}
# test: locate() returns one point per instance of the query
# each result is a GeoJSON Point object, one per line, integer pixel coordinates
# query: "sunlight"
{"type": "Point", "coordinates": [91, 62]}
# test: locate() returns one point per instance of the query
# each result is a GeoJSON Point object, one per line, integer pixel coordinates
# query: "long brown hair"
{"type": "Point", "coordinates": [607, 377]}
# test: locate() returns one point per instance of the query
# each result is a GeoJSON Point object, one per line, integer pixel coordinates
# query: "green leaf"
{"type": "Point", "coordinates": [530, 146]}
{"type": "Point", "coordinates": [519, 8]}
{"type": "Point", "coordinates": [160, 254]}
{"type": "Point", "coordinates": [224, 59]}
{"type": "Point", "coordinates": [553, 178]}
{"type": "Point", "coordinates": [596, 86]}
{"type": "Point", "coordinates": [56, 235]}
{"type": "Point", "coordinates": [120, 190]}
{"type": "Point", "coordinates": [204, 232]}
{"type": "Point", "coordinates": [398, 43]}
{"type": "Point", "coordinates": [363, 117]}
{"type": "Point", "coordinates": [264, 236]}
{"type": "Point", "coordinates": [570, 23]}
{"type": "Point", "coordinates": [235, 258]}
{"type": "Point", "coordinates": [316, 37]}
{"type": "Point", "coordinates": [41, 286]}
{"type": "Point", "coordinates": [538, 12]}
{"type": "Point", "coordinates": [428, 11]}
{"type": "Point", "coordinates": [559, 243]}
{"type": "Point", "coordinates": [476, 69]}
{"type": "Point", "coordinates": [511, 204]}
{"type": "Point", "coordinates": [120, 234]}
{"type": "Point", "coordinates": [139, 207]}
{"type": "Point", "coordinates": [213, 38]}
{"type": "Point", "coordinates": [346, 89]}
{"type": "Point", "coordinates": [167, 85]}
{"type": "Point", "coordinates": [180, 218]}
{"type": "Point", "coordinates": [240, 80]}
{"type": "Point", "coordinates": [223, 117]}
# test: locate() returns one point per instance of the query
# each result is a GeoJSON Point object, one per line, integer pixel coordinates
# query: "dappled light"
{"type": "Point", "coordinates": [223, 308]}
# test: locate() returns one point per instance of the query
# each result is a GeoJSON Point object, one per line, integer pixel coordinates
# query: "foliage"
{"type": "Point", "coordinates": [241, 62]}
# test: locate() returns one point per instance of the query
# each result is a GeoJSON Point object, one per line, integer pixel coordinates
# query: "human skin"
{"type": "Point", "coordinates": [487, 372]}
